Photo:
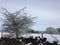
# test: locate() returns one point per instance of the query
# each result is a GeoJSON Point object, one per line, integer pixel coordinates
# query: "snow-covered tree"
{"type": "Point", "coordinates": [50, 30]}
{"type": "Point", "coordinates": [17, 22]}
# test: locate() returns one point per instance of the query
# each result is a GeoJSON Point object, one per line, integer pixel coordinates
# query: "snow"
{"type": "Point", "coordinates": [30, 34]}
{"type": "Point", "coordinates": [50, 37]}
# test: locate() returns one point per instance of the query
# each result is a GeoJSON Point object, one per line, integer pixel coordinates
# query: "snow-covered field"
{"type": "Point", "coordinates": [50, 37]}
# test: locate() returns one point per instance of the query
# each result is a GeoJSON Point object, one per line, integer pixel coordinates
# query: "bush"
{"type": "Point", "coordinates": [11, 41]}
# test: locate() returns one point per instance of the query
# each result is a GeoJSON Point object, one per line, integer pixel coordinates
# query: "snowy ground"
{"type": "Point", "coordinates": [50, 37]}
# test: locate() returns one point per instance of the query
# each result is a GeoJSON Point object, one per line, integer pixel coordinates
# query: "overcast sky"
{"type": "Point", "coordinates": [46, 11]}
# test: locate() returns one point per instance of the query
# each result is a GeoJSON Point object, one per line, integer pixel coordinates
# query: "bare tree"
{"type": "Point", "coordinates": [16, 22]}
{"type": "Point", "coordinates": [58, 30]}
{"type": "Point", "coordinates": [50, 30]}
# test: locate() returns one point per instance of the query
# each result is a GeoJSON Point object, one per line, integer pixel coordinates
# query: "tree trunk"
{"type": "Point", "coordinates": [17, 36]}
{"type": "Point", "coordinates": [17, 33]}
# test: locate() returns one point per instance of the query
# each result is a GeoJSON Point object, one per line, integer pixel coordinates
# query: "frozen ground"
{"type": "Point", "coordinates": [50, 37]}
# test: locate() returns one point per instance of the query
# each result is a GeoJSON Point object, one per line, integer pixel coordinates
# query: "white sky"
{"type": "Point", "coordinates": [47, 11]}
